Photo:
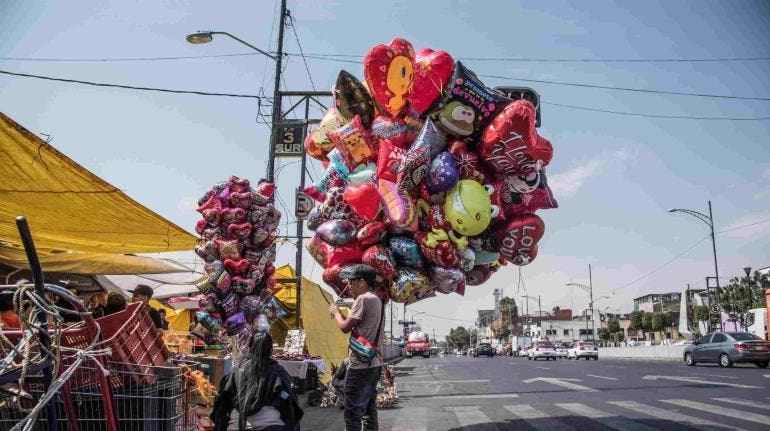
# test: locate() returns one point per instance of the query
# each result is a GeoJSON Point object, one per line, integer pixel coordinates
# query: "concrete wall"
{"type": "Point", "coordinates": [644, 352]}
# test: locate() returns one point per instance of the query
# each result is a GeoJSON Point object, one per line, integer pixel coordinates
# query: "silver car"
{"type": "Point", "coordinates": [726, 348]}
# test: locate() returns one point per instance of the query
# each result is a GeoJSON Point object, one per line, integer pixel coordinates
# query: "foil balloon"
{"type": "Point", "coordinates": [419, 295]}
{"type": "Point", "coordinates": [234, 323]}
{"type": "Point", "coordinates": [331, 276]}
{"type": "Point", "coordinates": [442, 173]}
{"type": "Point", "coordinates": [398, 206]}
{"type": "Point", "coordinates": [353, 141]}
{"type": "Point", "coordinates": [208, 251]}
{"type": "Point", "coordinates": [467, 258]}
{"type": "Point", "coordinates": [478, 275]}
{"type": "Point", "coordinates": [250, 305]}
{"type": "Point", "coordinates": [485, 257]}
{"type": "Point", "coordinates": [363, 174]}
{"type": "Point", "coordinates": [371, 234]}
{"type": "Point", "coordinates": [236, 267]}
{"type": "Point", "coordinates": [349, 253]}
{"type": "Point", "coordinates": [406, 252]}
{"type": "Point", "coordinates": [392, 130]}
{"type": "Point", "coordinates": [381, 259]}
{"type": "Point", "coordinates": [314, 218]}
{"type": "Point", "coordinates": [211, 209]}
{"type": "Point", "coordinates": [446, 279]}
{"type": "Point", "coordinates": [414, 167]}
{"type": "Point", "coordinates": [388, 70]}
{"type": "Point", "coordinates": [233, 215]}
{"type": "Point", "coordinates": [229, 303]}
{"type": "Point", "coordinates": [351, 99]}
{"type": "Point", "coordinates": [389, 161]}
{"type": "Point", "coordinates": [317, 139]}
{"type": "Point", "coordinates": [209, 303]}
{"type": "Point", "coordinates": [228, 249]}
{"type": "Point", "coordinates": [517, 239]}
{"type": "Point", "coordinates": [468, 208]}
{"type": "Point", "coordinates": [334, 207]}
{"type": "Point", "coordinates": [467, 106]}
{"type": "Point", "coordinates": [527, 193]}
{"type": "Point", "coordinates": [337, 232]}
{"type": "Point", "coordinates": [213, 267]}
{"type": "Point", "coordinates": [243, 286]}
{"type": "Point", "coordinates": [467, 162]}
{"type": "Point", "coordinates": [319, 250]}
{"type": "Point", "coordinates": [239, 230]}
{"type": "Point", "coordinates": [443, 253]}
{"type": "Point", "coordinates": [432, 70]}
{"type": "Point", "coordinates": [364, 200]}
{"type": "Point", "coordinates": [508, 144]}
{"type": "Point", "coordinates": [408, 282]}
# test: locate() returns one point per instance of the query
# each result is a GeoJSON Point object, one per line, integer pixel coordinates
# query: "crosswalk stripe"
{"type": "Point", "coordinates": [719, 410]}
{"type": "Point", "coordinates": [608, 419]}
{"type": "Point", "coordinates": [744, 403]}
{"type": "Point", "coordinates": [469, 416]}
{"type": "Point", "coordinates": [526, 412]}
{"type": "Point", "coordinates": [412, 419]}
{"type": "Point", "coordinates": [668, 415]}
{"type": "Point", "coordinates": [538, 419]}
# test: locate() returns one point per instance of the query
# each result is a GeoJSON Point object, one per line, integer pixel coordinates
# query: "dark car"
{"type": "Point", "coordinates": [484, 349]}
{"type": "Point", "coordinates": [726, 348]}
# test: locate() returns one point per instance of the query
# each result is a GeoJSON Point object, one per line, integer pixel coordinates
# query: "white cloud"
{"type": "Point", "coordinates": [766, 173]}
{"type": "Point", "coordinates": [625, 154]}
{"type": "Point", "coordinates": [748, 226]}
{"type": "Point", "coordinates": [761, 195]}
{"type": "Point", "coordinates": [568, 183]}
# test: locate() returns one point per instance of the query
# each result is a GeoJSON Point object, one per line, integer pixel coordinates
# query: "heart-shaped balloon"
{"type": "Point", "coordinates": [409, 283]}
{"type": "Point", "coordinates": [344, 254]}
{"type": "Point", "coordinates": [527, 193]}
{"type": "Point", "coordinates": [371, 233]}
{"type": "Point", "coordinates": [228, 249]}
{"type": "Point", "coordinates": [388, 70]}
{"type": "Point", "coordinates": [381, 259]}
{"type": "Point", "coordinates": [319, 250]}
{"type": "Point", "coordinates": [442, 174]}
{"type": "Point", "coordinates": [446, 279]}
{"type": "Point", "coordinates": [233, 215]}
{"type": "Point", "coordinates": [442, 253]}
{"type": "Point", "coordinates": [517, 239]}
{"type": "Point", "coordinates": [432, 70]}
{"type": "Point", "coordinates": [207, 251]}
{"type": "Point", "coordinates": [334, 207]}
{"type": "Point", "coordinates": [392, 130]}
{"type": "Point", "coordinates": [238, 185]}
{"type": "Point", "coordinates": [212, 233]}
{"type": "Point", "coordinates": [478, 275]}
{"type": "Point", "coordinates": [240, 230]}
{"type": "Point", "coordinates": [264, 192]}
{"type": "Point", "coordinates": [237, 267]}
{"type": "Point", "coordinates": [337, 232]}
{"type": "Point", "coordinates": [364, 200]}
{"type": "Point", "coordinates": [508, 144]}
{"type": "Point", "coordinates": [406, 252]}
{"type": "Point", "coordinates": [331, 276]}
{"type": "Point", "coordinates": [243, 286]}
{"type": "Point", "coordinates": [213, 267]}
{"type": "Point", "coordinates": [200, 226]}
{"type": "Point", "coordinates": [210, 209]}
{"type": "Point", "coordinates": [351, 98]}
{"type": "Point", "coordinates": [389, 161]}
{"type": "Point", "coordinates": [467, 162]}
{"type": "Point", "coordinates": [242, 199]}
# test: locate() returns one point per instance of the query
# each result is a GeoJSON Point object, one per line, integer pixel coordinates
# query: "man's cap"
{"type": "Point", "coordinates": [361, 271]}
{"type": "Point", "coordinates": [142, 289]}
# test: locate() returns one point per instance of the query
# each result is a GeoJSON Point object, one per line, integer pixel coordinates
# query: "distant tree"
{"type": "Point", "coordinates": [613, 326]}
{"type": "Point", "coordinates": [658, 322]}
{"type": "Point", "coordinates": [744, 294]}
{"type": "Point", "coordinates": [636, 321]}
{"type": "Point", "coordinates": [509, 312]}
{"type": "Point", "coordinates": [604, 334]}
{"type": "Point", "coordinates": [647, 322]}
{"type": "Point", "coordinates": [556, 309]}
{"type": "Point", "coordinates": [700, 313]}
{"type": "Point", "coordinates": [618, 336]}
{"type": "Point", "coordinates": [458, 338]}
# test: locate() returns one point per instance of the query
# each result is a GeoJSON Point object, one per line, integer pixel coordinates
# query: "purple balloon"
{"type": "Point", "coordinates": [337, 232]}
{"type": "Point", "coordinates": [446, 279]}
{"type": "Point", "coordinates": [234, 323]}
{"type": "Point", "coordinates": [442, 174]}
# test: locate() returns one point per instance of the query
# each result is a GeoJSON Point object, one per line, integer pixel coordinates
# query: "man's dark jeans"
{"type": "Point", "coordinates": [361, 399]}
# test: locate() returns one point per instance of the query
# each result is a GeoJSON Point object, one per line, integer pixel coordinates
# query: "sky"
{"type": "Point", "coordinates": [614, 176]}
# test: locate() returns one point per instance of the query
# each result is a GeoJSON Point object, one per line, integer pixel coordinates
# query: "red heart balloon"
{"type": "Point", "coordinates": [517, 238]}
{"type": "Point", "coordinates": [442, 253]}
{"type": "Point", "coordinates": [364, 200]}
{"type": "Point", "coordinates": [389, 160]}
{"type": "Point", "coordinates": [242, 230]}
{"type": "Point", "coordinates": [381, 259]}
{"type": "Point", "coordinates": [388, 70]}
{"type": "Point", "coordinates": [508, 144]}
{"type": "Point", "coordinates": [371, 233]}
{"type": "Point", "coordinates": [349, 253]}
{"type": "Point", "coordinates": [237, 267]}
{"type": "Point", "coordinates": [432, 70]}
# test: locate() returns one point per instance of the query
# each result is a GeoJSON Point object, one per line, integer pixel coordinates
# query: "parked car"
{"type": "Point", "coordinates": [726, 348]}
{"type": "Point", "coordinates": [484, 349]}
{"type": "Point", "coordinates": [561, 351]}
{"type": "Point", "coordinates": [541, 349]}
{"type": "Point", "coordinates": [583, 349]}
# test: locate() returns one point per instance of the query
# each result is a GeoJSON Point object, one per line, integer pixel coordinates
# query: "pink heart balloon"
{"type": "Point", "coordinates": [432, 70]}
{"type": "Point", "coordinates": [364, 200]}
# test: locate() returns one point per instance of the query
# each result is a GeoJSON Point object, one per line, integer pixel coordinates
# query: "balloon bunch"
{"type": "Point", "coordinates": [238, 247]}
{"type": "Point", "coordinates": [432, 178]}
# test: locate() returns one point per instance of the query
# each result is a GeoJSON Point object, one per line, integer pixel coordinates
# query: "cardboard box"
{"type": "Point", "coordinates": [213, 367]}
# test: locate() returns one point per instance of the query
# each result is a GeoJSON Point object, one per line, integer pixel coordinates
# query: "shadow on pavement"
{"type": "Point", "coordinates": [582, 423]}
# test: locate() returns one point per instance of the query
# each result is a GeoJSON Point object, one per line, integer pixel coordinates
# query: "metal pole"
{"type": "Point", "coordinates": [301, 225]}
{"type": "Point", "coordinates": [716, 267]}
{"type": "Point", "coordinates": [591, 292]}
{"type": "Point", "coordinates": [391, 323]}
{"type": "Point", "coordinates": [276, 96]}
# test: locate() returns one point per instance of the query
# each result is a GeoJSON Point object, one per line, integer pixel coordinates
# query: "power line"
{"type": "Point", "coordinates": [670, 117]}
{"type": "Point", "coordinates": [128, 87]}
{"type": "Point", "coordinates": [668, 262]}
{"type": "Point", "coordinates": [442, 317]}
{"type": "Point", "coordinates": [304, 60]}
{"type": "Point", "coordinates": [636, 90]}
{"type": "Point", "coordinates": [744, 226]}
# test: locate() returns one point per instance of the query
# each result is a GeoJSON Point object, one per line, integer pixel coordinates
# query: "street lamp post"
{"type": "Point", "coordinates": [709, 220]}
{"type": "Point", "coordinates": [590, 290]}
{"type": "Point", "coordinates": [747, 270]}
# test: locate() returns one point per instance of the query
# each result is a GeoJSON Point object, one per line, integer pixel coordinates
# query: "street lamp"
{"type": "Point", "coordinates": [590, 290]}
{"type": "Point", "coordinates": [202, 37]}
{"type": "Point", "coordinates": [747, 270]}
{"type": "Point", "coordinates": [709, 220]}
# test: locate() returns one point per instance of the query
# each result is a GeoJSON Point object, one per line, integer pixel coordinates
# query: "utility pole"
{"type": "Point", "coordinates": [591, 293]}
{"type": "Point", "coordinates": [277, 96]}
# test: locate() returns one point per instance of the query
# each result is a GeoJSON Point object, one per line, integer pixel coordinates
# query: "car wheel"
{"type": "Point", "coordinates": [725, 361]}
{"type": "Point", "coordinates": [596, 358]}
{"type": "Point", "coordinates": [689, 360]}
{"type": "Point", "coordinates": [529, 358]}
{"type": "Point", "coordinates": [762, 364]}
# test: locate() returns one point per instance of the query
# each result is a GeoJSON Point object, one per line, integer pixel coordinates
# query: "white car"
{"type": "Point", "coordinates": [542, 349]}
{"type": "Point", "coordinates": [582, 349]}
{"type": "Point", "coordinates": [561, 351]}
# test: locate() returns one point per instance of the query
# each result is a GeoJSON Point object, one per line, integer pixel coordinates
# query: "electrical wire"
{"type": "Point", "coordinates": [668, 117]}
{"type": "Point", "coordinates": [442, 317]}
{"type": "Point", "coordinates": [743, 226]}
{"type": "Point", "coordinates": [304, 60]}
{"type": "Point", "coordinates": [127, 87]}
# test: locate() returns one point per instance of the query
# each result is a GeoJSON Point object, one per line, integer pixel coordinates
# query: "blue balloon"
{"type": "Point", "coordinates": [442, 174]}
{"type": "Point", "coordinates": [406, 252]}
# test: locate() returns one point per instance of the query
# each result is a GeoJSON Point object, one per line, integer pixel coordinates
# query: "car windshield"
{"type": "Point", "coordinates": [544, 345]}
{"type": "Point", "coordinates": [743, 336]}
{"type": "Point", "coordinates": [586, 345]}
{"type": "Point", "coordinates": [484, 346]}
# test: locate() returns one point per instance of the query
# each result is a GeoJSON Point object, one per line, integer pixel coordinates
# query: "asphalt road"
{"type": "Point", "coordinates": [502, 393]}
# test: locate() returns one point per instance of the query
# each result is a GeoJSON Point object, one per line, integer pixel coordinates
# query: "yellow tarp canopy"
{"type": "Point", "coordinates": [322, 336]}
{"type": "Point", "coordinates": [68, 207]}
{"type": "Point", "coordinates": [89, 263]}
{"type": "Point", "coordinates": [178, 320]}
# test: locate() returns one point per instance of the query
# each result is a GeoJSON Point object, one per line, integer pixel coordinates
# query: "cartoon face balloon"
{"type": "Point", "coordinates": [527, 193]}
{"type": "Point", "coordinates": [388, 70]}
{"type": "Point", "coordinates": [353, 141]}
{"type": "Point", "coordinates": [468, 208]}
{"type": "Point", "coordinates": [517, 239]}
{"type": "Point", "coordinates": [408, 283]}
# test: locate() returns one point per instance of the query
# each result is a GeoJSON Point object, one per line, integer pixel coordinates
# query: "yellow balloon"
{"type": "Point", "coordinates": [468, 208]}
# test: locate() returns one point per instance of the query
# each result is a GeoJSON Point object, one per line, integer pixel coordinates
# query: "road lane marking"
{"type": "Point", "coordinates": [763, 406]}
{"type": "Point", "coordinates": [668, 415]}
{"type": "Point", "coordinates": [564, 383]}
{"type": "Point", "coordinates": [699, 381]}
{"type": "Point", "coordinates": [537, 419]}
{"type": "Point", "coordinates": [767, 375]}
{"type": "Point", "coordinates": [466, 396]}
{"type": "Point", "coordinates": [438, 382]}
{"type": "Point", "coordinates": [719, 410]}
{"type": "Point", "coordinates": [713, 375]}
{"type": "Point", "coordinates": [469, 416]}
{"type": "Point", "coordinates": [602, 377]}
{"type": "Point", "coordinates": [608, 419]}
{"type": "Point", "coordinates": [411, 419]}
{"type": "Point", "coordinates": [525, 411]}
{"type": "Point", "coordinates": [543, 368]}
